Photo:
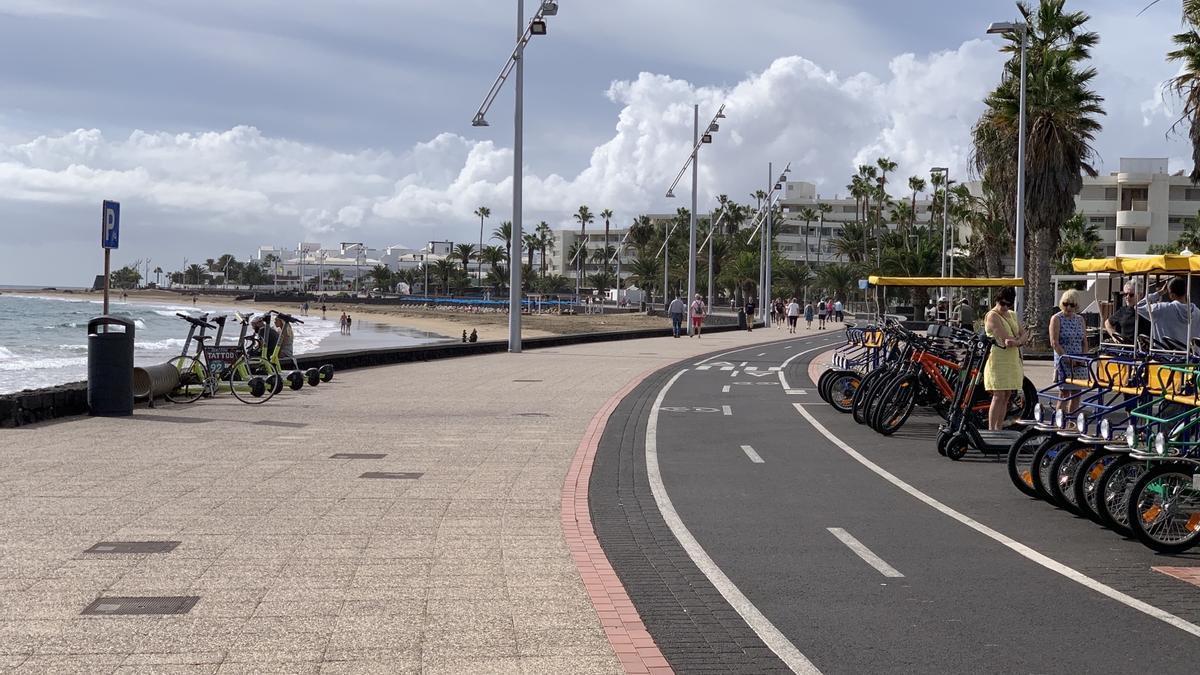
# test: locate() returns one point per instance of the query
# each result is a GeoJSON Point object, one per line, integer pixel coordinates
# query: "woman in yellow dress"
{"type": "Point", "coordinates": [1004, 372]}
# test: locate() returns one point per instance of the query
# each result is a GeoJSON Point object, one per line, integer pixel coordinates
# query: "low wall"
{"type": "Point", "coordinates": [39, 405]}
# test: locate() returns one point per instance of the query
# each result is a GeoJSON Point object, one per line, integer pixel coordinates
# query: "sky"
{"type": "Point", "coordinates": [223, 125]}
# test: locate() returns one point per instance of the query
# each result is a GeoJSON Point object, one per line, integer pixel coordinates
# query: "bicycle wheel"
{"type": "Point", "coordinates": [1020, 461]}
{"type": "Point", "coordinates": [252, 380]}
{"type": "Point", "coordinates": [1164, 508]}
{"type": "Point", "coordinates": [842, 390]}
{"type": "Point", "coordinates": [866, 390]}
{"type": "Point", "coordinates": [192, 380]}
{"type": "Point", "coordinates": [1020, 404]}
{"type": "Point", "coordinates": [1112, 493]}
{"type": "Point", "coordinates": [1089, 479]}
{"type": "Point", "coordinates": [896, 405]}
{"type": "Point", "coordinates": [1043, 460]}
{"type": "Point", "coordinates": [1065, 472]}
{"type": "Point", "coordinates": [823, 384]}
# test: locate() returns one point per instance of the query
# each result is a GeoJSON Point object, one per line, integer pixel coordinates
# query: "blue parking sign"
{"type": "Point", "coordinates": [110, 224]}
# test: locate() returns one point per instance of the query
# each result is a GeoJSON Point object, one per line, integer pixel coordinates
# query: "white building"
{"type": "Point", "coordinates": [1139, 205]}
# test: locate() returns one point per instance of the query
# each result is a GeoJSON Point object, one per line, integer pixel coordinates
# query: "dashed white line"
{"type": "Point", "coordinates": [762, 626]}
{"type": "Point", "coordinates": [726, 409]}
{"type": "Point", "coordinates": [1003, 539]}
{"type": "Point", "coordinates": [763, 354]}
{"type": "Point", "coordinates": [725, 389]}
{"type": "Point", "coordinates": [734, 374]}
{"type": "Point", "coordinates": [865, 553]}
{"type": "Point", "coordinates": [754, 457]}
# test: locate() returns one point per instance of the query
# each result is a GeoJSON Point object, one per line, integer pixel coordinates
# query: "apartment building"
{"type": "Point", "coordinates": [1139, 205]}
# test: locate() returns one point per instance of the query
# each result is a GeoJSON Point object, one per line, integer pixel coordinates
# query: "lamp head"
{"type": "Point", "coordinates": [670, 194]}
{"type": "Point", "coordinates": [479, 121]}
{"type": "Point", "coordinates": [549, 8]}
{"type": "Point", "coordinates": [714, 128]}
{"type": "Point", "coordinates": [1001, 27]}
{"type": "Point", "coordinates": [706, 138]}
{"type": "Point", "coordinates": [537, 27]}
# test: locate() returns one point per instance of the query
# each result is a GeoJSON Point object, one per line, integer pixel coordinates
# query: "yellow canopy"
{"type": "Point", "coordinates": [934, 282]}
{"type": "Point", "coordinates": [1160, 264]}
{"type": "Point", "coordinates": [1085, 265]}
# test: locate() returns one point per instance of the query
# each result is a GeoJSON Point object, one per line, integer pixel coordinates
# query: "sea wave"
{"type": "Point", "coordinates": [160, 345]}
{"type": "Point", "coordinates": [42, 363]}
{"type": "Point", "coordinates": [6, 354]}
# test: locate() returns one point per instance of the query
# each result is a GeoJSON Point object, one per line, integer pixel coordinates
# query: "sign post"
{"type": "Point", "coordinates": [110, 233]}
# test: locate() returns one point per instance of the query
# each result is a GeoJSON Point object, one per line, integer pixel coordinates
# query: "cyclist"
{"type": "Point", "coordinates": [1120, 325]}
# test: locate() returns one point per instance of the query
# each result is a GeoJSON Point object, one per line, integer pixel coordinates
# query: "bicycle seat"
{"type": "Point", "coordinates": [219, 320]}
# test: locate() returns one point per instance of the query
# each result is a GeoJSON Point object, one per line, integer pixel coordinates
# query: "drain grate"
{"type": "Point", "coordinates": [527, 380]}
{"type": "Point", "coordinates": [392, 475]}
{"type": "Point", "coordinates": [134, 606]}
{"type": "Point", "coordinates": [285, 425]}
{"type": "Point", "coordinates": [133, 547]}
{"type": "Point", "coordinates": [533, 414]}
{"type": "Point", "coordinates": [358, 455]}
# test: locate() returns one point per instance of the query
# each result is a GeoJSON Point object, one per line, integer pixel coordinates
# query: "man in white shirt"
{"type": "Point", "coordinates": [837, 310]}
{"type": "Point", "coordinates": [676, 312]}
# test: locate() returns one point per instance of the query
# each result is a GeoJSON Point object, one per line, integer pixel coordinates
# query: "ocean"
{"type": "Point", "coordinates": [43, 340]}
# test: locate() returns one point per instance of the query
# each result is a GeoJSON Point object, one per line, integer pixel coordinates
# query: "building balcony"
{"type": "Point", "coordinates": [1134, 218]}
{"type": "Point", "coordinates": [1132, 247]}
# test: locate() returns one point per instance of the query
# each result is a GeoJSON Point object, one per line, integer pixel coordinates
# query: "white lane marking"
{"type": "Point", "coordinates": [751, 368]}
{"type": "Point", "coordinates": [788, 347]}
{"type": "Point", "coordinates": [757, 346]}
{"type": "Point", "coordinates": [725, 389]}
{"type": "Point", "coordinates": [763, 354]}
{"type": "Point", "coordinates": [1021, 549]}
{"type": "Point", "coordinates": [734, 374]}
{"type": "Point", "coordinates": [783, 366]}
{"type": "Point", "coordinates": [865, 553]}
{"type": "Point", "coordinates": [801, 392]}
{"type": "Point", "coordinates": [726, 368]}
{"type": "Point", "coordinates": [752, 454]}
{"type": "Point", "coordinates": [726, 409]}
{"type": "Point", "coordinates": [765, 630]}
{"type": "Point", "coordinates": [743, 364]}
{"type": "Point", "coordinates": [703, 367]}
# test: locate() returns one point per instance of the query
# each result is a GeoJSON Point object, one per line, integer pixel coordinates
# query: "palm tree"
{"type": "Point", "coordinates": [442, 269]}
{"type": "Point", "coordinates": [853, 242]}
{"type": "Point", "coordinates": [822, 209]}
{"type": "Point", "coordinates": [193, 272]}
{"type": "Point", "coordinates": [532, 242]}
{"type": "Point", "coordinates": [482, 212]}
{"type": "Point", "coordinates": [334, 275]}
{"type": "Point", "coordinates": [1186, 85]}
{"type": "Point", "coordinates": [158, 276]}
{"type": "Point", "coordinates": [646, 271]}
{"type": "Point", "coordinates": [795, 278]}
{"type": "Point", "coordinates": [583, 217]}
{"type": "Point", "coordinates": [607, 215]}
{"type": "Point", "coordinates": [1061, 114]}
{"type": "Point", "coordinates": [807, 214]}
{"type": "Point", "coordinates": [1080, 239]}
{"type": "Point", "coordinates": [545, 244]}
{"type": "Point", "coordinates": [504, 234]}
{"type": "Point", "coordinates": [741, 274]}
{"type": "Point", "coordinates": [837, 279]}
{"type": "Point", "coordinates": [382, 276]}
{"type": "Point", "coordinates": [917, 185]}
{"type": "Point", "coordinates": [465, 253]}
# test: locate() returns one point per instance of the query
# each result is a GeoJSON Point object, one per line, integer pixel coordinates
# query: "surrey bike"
{"type": "Point", "coordinates": [864, 350]}
{"type": "Point", "coordinates": [251, 376]}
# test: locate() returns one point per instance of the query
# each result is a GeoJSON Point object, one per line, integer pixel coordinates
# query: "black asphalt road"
{"type": "Point", "coordinates": [966, 603]}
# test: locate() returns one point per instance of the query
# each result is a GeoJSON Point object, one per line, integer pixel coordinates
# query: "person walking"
{"type": "Point", "coordinates": [676, 312]}
{"type": "Point", "coordinates": [822, 308]}
{"type": "Point", "coordinates": [966, 315]}
{"type": "Point", "coordinates": [780, 312]}
{"type": "Point", "coordinates": [348, 322]}
{"type": "Point", "coordinates": [808, 315]}
{"type": "Point", "coordinates": [698, 312]}
{"type": "Point", "coordinates": [837, 311]}
{"type": "Point", "coordinates": [751, 309]}
{"type": "Point", "coordinates": [1068, 337]}
{"type": "Point", "coordinates": [793, 315]}
{"type": "Point", "coordinates": [342, 325]}
{"type": "Point", "coordinates": [1004, 372]}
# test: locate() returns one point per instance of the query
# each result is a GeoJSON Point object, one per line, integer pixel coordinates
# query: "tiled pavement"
{"type": "Point", "coordinates": [301, 565]}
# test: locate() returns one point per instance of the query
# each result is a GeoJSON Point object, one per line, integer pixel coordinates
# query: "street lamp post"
{"type": "Point", "coordinates": [694, 160]}
{"type": "Point", "coordinates": [1022, 31]}
{"type": "Point", "coordinates": [516, 62]}
{"type": "Point", "coordinates": [945, 171]}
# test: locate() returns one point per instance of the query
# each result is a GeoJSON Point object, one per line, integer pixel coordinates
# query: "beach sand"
{"type": "Point", "coordinates": [491, 326]}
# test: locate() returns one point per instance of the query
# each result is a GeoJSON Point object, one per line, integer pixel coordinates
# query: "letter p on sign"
{"type": "Point", "coordinates": [110, 224]}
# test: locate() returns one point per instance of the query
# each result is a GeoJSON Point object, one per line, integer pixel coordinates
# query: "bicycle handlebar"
{"type": "Point", "coordinates": [198, 322]}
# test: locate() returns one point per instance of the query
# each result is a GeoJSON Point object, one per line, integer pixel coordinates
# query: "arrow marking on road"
{"type": "Point", "coordinates": [752, 454]}
{"type": "Point", "coordinates": [727, 410]}
{"type": "Point", "coordinates": [755, 373]}
{"type": "Point", "coordinates": [725, 389]}
{"type": "Point", "coordinates": [865, 553]}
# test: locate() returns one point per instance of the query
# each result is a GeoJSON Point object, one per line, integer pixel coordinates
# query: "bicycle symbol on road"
{"type": "Point", "coordinates": [689, 410]}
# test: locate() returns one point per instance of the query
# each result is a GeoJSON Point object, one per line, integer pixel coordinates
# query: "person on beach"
{"type": "Point", "coordinates": [349, 321]}
{"type": "Point", "coordinates": [697, 314]}
{"type": "Point", "coordinates": [676, 312]}
{"type": "Point", "coordinates": [474, 336]}
{"type": "Point", "coordinates": [342, 326]}
{"type": "Point", "coordinates": [322, 312]}
{"type": "Point", "coordinates": [751, 310]}
{"type": "Point", "coordinates": [1004, 372]}
{"type": "Point", "coordinates": [808, 315]}
{"type": "Point", "coordinates": [822, 309]}
{"type": "Point", "coordinates": [793, 315]}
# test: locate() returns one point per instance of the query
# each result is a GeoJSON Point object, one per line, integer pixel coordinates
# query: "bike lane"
{"type": "Point", "coordinates": [774, 502]}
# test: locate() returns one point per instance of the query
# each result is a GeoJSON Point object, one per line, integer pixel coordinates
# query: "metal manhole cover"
{"type": "Point", "coordinates": [533, 414]}
{"type": "Point", "coordinates": [285, 425]}
{"type": "Point", "coordinates": [358, 455]}
{"type": "Point", "coordinates": [132, 606]}
{"type": "Point", "coordinates": [527, 380]}
{"type": "Point", "coordinates": [133, 547]}
{"type": "Point", "coordinates": [392, 475]}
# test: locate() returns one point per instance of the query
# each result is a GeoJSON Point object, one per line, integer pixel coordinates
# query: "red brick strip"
{"type": "Point", "coordinates": [622, 625]}
{"type": "Point", "coordinates": [1188, 574]}
{"type": "Point", "coordinates": [820, 364]}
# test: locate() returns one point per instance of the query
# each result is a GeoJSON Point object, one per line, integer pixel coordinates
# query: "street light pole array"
{"type": "Point", "coordinates": [693, 160]}
{"type": "Point", "coordinates": [1022, 31]}
{"type": "Point", "coordinates": [516, 62]}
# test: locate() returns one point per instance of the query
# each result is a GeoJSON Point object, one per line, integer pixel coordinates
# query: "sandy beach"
{"type": "Point", "coordinates": [490, 326]}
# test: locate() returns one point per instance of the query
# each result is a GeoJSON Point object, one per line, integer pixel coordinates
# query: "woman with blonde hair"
{"type": "Point", "coordinates": [1004, 372]}
{"type": "Point", "coordinates": [1068, 336]}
